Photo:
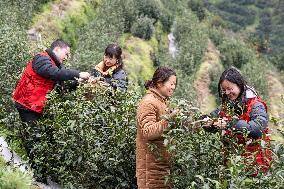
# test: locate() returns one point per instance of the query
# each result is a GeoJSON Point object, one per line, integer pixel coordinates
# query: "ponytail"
{"type": "Point", "coordinates": [148, 84]}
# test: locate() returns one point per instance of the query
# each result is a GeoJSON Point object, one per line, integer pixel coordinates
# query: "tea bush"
{"type": "Point", "coordinates": [150, 8]}
{"type": "Point", "coordinates": [216, 34]}
{"type": "Point", "coordinates": [191, 38]}
{"type": "Point", "coordinates": [255, 72]}
{"type": "Point", "coordinates": [235, 53]}
{"type": "Point", "coordinates": [198, 7]}
{"type": "Point", "coordinates": [13, 50]}
{"type": "Point", "coordinates": [14, 47]}
{"type": "Point", "coordinates": [143, 28]}
{"type": "Point", "coordinates": [167, 21]}
{"type": "Point", "coordinates": [15, 17]}
{"type": "Point", "coordinates": [13, 57]}
{"type": "Point", "coordinates": [236, 16]}
{"type": "Point", "coordinates": [88, 139]}
{"type": "Point", "coordinates": [198, 161]}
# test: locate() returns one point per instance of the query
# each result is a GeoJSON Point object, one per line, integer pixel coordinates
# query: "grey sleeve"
{"type": "Point", "coordinates": [257, 123]}
{"type": "Point", "coordinates": [43, 66]}
{"type": "Point", "coordinates": [120, 81]}
{"type": "Point", "coordinates": [215, 113]}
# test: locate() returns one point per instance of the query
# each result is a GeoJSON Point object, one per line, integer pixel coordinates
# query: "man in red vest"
{"type": "Point", "coordinates": [43, 72]}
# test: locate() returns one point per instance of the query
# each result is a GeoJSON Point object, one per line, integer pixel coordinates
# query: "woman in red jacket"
{"type": "Point", "coordinates": [243, 115]}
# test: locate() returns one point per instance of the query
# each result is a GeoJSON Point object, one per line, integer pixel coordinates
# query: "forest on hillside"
{"type": "Point", "coordinates": [93, 129]}
{"type": "Point", "coordinates": [259, 21]}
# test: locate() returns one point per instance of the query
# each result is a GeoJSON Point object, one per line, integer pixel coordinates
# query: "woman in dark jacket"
{"type": "Point", "coordinates": [242, 112]}
{"type": "Point", "coordinates": [110, 69]}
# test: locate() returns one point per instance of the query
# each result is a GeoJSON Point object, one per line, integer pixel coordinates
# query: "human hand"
{"type": "Point", "coordinates": [103, 83]}
{"type": "Point", "coordinates": [173, 112]}
{"type": "Point", "coordinates": [84, 75]}
{"type": "Point", "coordinates": [220, 124]}
{"type": "Point", "coordinates": [170, 113]}
{"type": "Point", "coordinates": [104, 73]}
{"type": "Point", "coordinates": [208, 122]}
{"type": "Point", "coordinates": [93, 80]}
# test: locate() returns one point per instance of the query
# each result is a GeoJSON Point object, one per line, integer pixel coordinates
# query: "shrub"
{"type": "Point", "coordinates": [167, 21]}
{"type": "Point", "coordinates": [14, 54]}
{"type": "Point", "coordinates": [264, 28]}
{"type": "Point", "coordinates": [192, 39]}
{"type": "Point", "coordinates": [259, 42]}
{"type": "Point", "coordinates": [198, 8]}
{"type": "Point", "coordinates": [92, 142]}
{"type": "Point", "coordinates": [264, 4]}
{"type": "Point", "coordinates": [193, 151]}
{"type": "Point", "coordinates": [150, 8]}
{"type": "Point", "coordinates": [277, 60]}
{"type": "Point", "coordinates": [244, 2]}
{"type": "Point", "coordinates": [214, 75]}
{"type": "Point", "coordinates": [20, 12]}
{"type": "Point", "coordinates": [235, 9]}
{"type": "Point", "coordinates": [143, 28]}
{"type": "Point", "coordinates": [255, 73]}
{"type": "Point", "coordinates": [129, 14]}
{"type": "Point", "coordinates": [235, 53]}
{"type": "Point", "coordinates": [72, 24]}
{"type": "Point", "coordinates": [216, 35]}
{"type": "Point", "coordinates": [197, 160]}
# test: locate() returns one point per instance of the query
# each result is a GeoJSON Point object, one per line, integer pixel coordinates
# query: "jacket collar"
{"type": "Point", "coordinates": [54, 58]}
{"type": "Point", "coordinates": [248, 94]}
{"type": "Point", "coordinates": [157, 94]}
{"type": "Point", "coordinates": [251, 93]}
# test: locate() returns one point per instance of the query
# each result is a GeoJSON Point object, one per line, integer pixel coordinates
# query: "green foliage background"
{"type": "Point", "coordinates": [91, 143]}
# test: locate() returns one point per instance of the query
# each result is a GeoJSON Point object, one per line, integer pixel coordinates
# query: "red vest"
{"type": "Point", "coordinates": [32, 88]}
{"type": "Point", "coordinates": [262, 155]}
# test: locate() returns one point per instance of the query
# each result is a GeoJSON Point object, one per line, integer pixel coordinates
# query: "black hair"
{"type": "Point", "coordinates": [59, 43]}
{"type": "Point", "coordinates": [233, 75]}
{"type": "Point", "coordinates": [162, 74]}
{"type": "Point", "coordinates": [114, 51]}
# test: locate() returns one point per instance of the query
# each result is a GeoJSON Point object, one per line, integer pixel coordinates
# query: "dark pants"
{"type": "Point", "coordinates": [31, 135]}
{"type": "Point", "coordinates": [28, 116]}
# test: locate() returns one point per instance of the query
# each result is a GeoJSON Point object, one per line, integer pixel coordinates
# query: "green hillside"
{"type": "Point", "coordinates": [261, 22]}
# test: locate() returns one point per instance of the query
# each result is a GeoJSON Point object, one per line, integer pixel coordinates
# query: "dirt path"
{"type": "Point", "coordinates": [210, 63]}
{"type": "Point", "coordinates": [276, 105]}
{"type": "Point", "coordinates": [275, 92]}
